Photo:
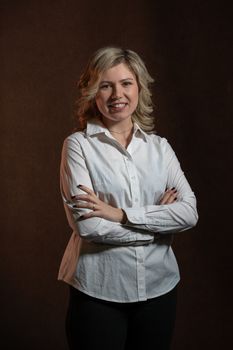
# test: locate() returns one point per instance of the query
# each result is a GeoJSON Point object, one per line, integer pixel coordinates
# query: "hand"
{"type": "Point", "coordinates": [99, 208]}
{"type": "Point", "coordinates": [170, 196]}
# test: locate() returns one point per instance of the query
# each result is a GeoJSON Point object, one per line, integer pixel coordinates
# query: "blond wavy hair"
{"type": "Point", "coordinates": [88, 85]}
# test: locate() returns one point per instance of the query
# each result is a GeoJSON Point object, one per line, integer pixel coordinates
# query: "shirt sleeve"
{"type": "Point", "coordinates": [169, 218]}
{"type": "Point", "coordinates": [73, 171]}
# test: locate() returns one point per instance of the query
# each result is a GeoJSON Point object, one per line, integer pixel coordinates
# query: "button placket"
{"type": "Point", "coordinates": [134, 185]}
{"type": "Point", "coordinates": [141, 282]}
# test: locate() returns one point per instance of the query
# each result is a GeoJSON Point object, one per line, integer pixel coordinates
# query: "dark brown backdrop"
{"type": "Point", "coordinates": [186, 46]}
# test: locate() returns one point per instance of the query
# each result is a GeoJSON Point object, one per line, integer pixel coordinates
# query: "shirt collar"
{"type": "Point", "coordinates": [95, 126]}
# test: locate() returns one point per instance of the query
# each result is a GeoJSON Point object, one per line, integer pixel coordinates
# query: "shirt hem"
{"type": "Point", "coordinates": [167, 290]}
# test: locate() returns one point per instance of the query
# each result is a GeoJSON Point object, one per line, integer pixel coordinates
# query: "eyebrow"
{"type": "Point", "coordinates": [122, 80]}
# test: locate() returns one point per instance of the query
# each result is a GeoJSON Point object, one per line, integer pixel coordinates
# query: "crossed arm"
{"type": "Point", "coordinates": [100, 209]}
{"type": "Point", "coordinates": [100, 222]}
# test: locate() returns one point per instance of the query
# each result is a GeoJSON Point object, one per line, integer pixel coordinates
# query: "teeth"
{"type": "Point", "coordinates": [118, 105]}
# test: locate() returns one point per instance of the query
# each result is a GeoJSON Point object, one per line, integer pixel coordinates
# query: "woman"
{"type": "Point", "coordinates": [125, 196]}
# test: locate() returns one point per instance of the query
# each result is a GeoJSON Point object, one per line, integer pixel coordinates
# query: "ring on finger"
{"type": "Point", "coordinates": [93, 208]}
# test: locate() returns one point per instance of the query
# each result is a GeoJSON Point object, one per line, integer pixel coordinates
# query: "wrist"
{"type": "Point", "coordinates": [123, 219]}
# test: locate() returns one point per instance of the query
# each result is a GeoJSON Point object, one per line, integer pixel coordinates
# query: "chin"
{"type": "Point", "coordinates": [118, 117]}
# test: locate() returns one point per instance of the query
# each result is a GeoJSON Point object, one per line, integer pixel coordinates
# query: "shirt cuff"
{"type": "Point", "coordinates": [145, 215]}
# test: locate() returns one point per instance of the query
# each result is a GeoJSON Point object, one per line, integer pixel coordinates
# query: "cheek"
{"type": "Point", "coordinates": [135, 94]}
{"type": "Point", "coordinates": [99, 102]}
{"type": "Point", "coordinates": [102, 98]}
{"type": "Point", "coordinates": [135, 97]}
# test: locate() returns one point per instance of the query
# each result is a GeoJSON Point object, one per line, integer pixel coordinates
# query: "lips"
{"type": "Point", "coordinates": [117, 106]}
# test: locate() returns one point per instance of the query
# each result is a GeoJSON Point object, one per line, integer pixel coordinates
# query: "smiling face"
{"type": "Point", "coordinates": [117, 96]}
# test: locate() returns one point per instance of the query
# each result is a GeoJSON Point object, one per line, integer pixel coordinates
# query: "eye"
{"type": "Point", "coordinates": [104, 86]}
{"type": "Point", "coordinates": [127, 83]}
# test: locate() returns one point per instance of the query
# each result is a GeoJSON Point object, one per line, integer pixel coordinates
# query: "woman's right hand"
{"type": "Point", "coordinates": [169, 197]}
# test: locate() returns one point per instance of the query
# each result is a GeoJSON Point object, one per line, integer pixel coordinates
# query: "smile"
{"type": "Point", "coordinates": [117, 105]}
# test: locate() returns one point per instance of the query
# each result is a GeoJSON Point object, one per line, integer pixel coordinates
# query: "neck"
{"type": "Point", "coordinates": [123, 127]}
{"type": "Point", "coordinates": [121, 132]}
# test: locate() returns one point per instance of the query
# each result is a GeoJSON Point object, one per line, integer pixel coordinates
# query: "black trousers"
{"type": "Point", "coordinates": [94, 324]}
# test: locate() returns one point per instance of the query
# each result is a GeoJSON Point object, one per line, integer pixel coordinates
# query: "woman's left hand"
{"type": "Point", "coordinates": [98, 208]}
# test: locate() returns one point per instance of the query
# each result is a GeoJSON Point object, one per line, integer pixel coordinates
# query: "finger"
{"type": "Point", "coordinates": [171, 199]}
{"type": "Point", "coordinates": [85, 197]}
{"type": "Point", "coordinates": [167, 195]}
{"type": "Point", "coordinates": [91, 205]}
{"type": "Point", "coordinates": [89, 215]}
{"type": "Point", "coordinates": [163, 200]}
{"type": "Point", "coordinates": [85, 189]}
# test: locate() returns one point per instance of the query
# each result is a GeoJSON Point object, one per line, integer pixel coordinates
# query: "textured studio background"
{"type": "Point", "coordinates": [187, 47]}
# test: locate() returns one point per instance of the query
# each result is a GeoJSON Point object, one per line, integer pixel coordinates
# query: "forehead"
{"type": "Point", "coordinates": [118, 72]}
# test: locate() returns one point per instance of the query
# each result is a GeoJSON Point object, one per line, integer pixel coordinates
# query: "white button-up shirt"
{"type": "Point", "coordinates": [133, 261]}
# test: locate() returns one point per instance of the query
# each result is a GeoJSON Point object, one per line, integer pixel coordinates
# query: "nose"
{"type": "Point", "coordinates": [116, 92]}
